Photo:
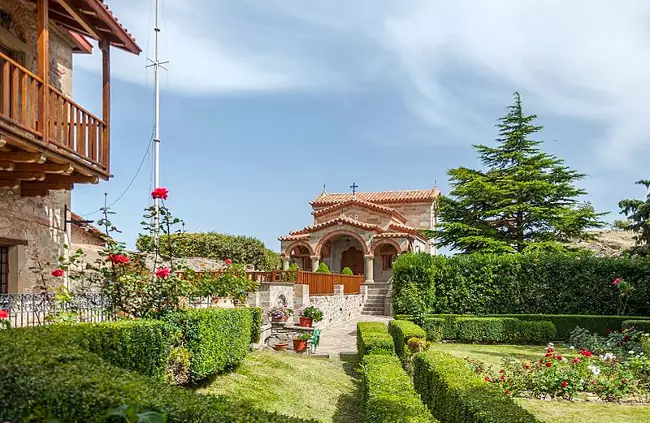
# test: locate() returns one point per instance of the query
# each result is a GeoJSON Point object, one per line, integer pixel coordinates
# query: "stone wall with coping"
{"type": "Point", "coordinates": [337, 308]}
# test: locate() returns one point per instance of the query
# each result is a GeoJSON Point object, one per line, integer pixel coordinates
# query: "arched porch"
{"type": "Point", "coordinates": [341, 249]}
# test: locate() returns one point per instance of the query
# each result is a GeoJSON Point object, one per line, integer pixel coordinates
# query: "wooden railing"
{"type": "Point", "coordinates": [70, 126]}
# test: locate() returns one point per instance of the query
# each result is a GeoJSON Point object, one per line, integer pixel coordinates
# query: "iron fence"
{"type": "Point", "coordinates": [42, 309]}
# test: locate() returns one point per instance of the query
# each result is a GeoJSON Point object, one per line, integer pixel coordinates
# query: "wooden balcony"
{"type": "Point", "coordinates": [70, 145]}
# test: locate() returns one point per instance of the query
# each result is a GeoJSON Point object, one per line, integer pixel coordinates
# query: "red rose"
{"type": "Point", "coordinates": [4, 314]}
{"type": "Point", "coordinates": [564, 384]}
{"type": "Point", "coordinates": [548, 355]}
{"type": "Point", "coordinates": [57, 273]}
{"type": "Point", "coordinates": [576, 360]}
{"type": "Point", "coordinates": [616, 281]}
{"type": "Point", "coordinates": [586, 353]}
{"type": "Point", "coordinates": [487, 379]}
{"type": "Point", "coordinates": [502, 377]}
{"type": "Point", "coordinates": [118, 259]}
{"type": "Point", "coordinates": [160, 193]}
{"type": "Point", "coordinates": [507, 392]}
{"type": "Point", "coordinates": [549, 364]}
{"type": "Point", "coordinates": [162, 272]}
{"type": "Point", "coordinates": [559, 357]}
{"type": "Point", "coordinates": [550, 349]}
{"type": "Point", "coordinates": [228, 262]}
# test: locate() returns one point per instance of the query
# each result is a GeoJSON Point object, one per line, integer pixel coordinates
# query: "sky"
{"type": "Point", "coordinates": [263, 103]}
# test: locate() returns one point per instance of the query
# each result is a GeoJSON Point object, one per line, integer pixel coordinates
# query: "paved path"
{"type": "Point", "coordinates": [342, 338]}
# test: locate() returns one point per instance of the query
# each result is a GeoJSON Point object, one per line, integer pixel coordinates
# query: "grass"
{"type": "Point", "coordinates": [321, 389]}
{"type": "Point", "coordinates": [550, 411]}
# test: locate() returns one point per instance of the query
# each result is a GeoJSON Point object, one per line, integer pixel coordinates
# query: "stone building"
{"type": "Point", "coordinates": [364, 231]}
{"type": "Point", "coordinates": [48, 142]}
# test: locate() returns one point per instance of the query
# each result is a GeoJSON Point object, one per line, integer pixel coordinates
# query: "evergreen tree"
{"type": "Point", "coordinates": [524, 199]}
{"type": "Point", "coordinates": [638, 221]}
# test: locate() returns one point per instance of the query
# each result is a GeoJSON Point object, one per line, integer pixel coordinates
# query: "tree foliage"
{"type": "Point", "coordinates": [523, 199]}
{"type": "Point", "coordinates": [637, 213]}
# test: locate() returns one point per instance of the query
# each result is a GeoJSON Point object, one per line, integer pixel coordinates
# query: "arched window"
{"type": "Point", "coordinates": [388, 253]}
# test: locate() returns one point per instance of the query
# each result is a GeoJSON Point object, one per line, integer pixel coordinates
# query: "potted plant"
{"type": "Point", "coordinates": [280, 313]}
{"type": "Point", "coordinates": [281, 346]}
{"type": "Point", "coordinates": [300, 342]}
{"type": "Point", "coordinates": [309, 315]}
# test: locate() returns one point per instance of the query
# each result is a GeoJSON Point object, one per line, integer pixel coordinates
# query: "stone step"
{"type": "Point", "coordinates": [373, 309]}
{"type": "Point", "coordinates": [375, 297]}
{"type": "Point", "coordinates": [372, 313]}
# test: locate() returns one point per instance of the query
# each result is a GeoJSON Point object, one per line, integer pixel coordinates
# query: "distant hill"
{"type": "Point", "coordinates": [609, 243]}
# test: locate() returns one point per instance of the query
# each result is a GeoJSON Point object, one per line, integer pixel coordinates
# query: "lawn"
{"type": "Point", "coordinates": [317, 388]}
{"type": "Point", "coordinates": [550, 411]}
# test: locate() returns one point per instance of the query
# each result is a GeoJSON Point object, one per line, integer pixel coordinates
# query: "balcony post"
{"type": "Point", "coordinates": [43, 67]}
{"type": "Point", "coordinates": [106, 102]}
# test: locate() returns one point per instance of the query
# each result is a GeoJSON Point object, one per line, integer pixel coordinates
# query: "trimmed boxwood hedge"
{"type": "Point", "coordinates": [217, 339]}
{"type": "Point", "coordinates": [388, 394]}
{"type": "Point", "coordinates": [402, 331]}
{"type": "Point", "coordinates": [455, 394]}
{"type": "Point", "coordinates": [140, 345]}
{"type": "Point", "coordinates": [45, 375]}
{"type": "Point", "coordinates": [373, 338]}
{"type": "Point", "coordinates": [256, 326]}
{"type": "Point", "coordinates": [640, 325]}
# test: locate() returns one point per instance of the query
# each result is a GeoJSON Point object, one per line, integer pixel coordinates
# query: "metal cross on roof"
{"type": "Point", "coordinates": [354, 187]}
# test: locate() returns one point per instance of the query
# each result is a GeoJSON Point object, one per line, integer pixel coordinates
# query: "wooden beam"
{"type": "Point", "coordinates": [106, 104]}
{"type": "Point", "coordinates": [73, 179]}
{"type": "Point", "coordinates": [7, 166]}
{"type": "Point", "coordinates": [3, 140]}
{"type": "Point", "coordinates": [12, 241]}
{"type": "Point", "coordinates": [34, 192]}
{"type": "Point", "coordinates": [77, 17]}
{"type": "Point", "coordinates": [45, 186]}
{"type": "Point", "coordinates": [23, 176]}
{"type": "Point", "coordinates": [22, 157]}
{"type": "Point", "coordinates": [9, 184]}
{"type": "Point", "coordinates": [61, 169]}
{"type": "Point", "coordinates": [43, 67]}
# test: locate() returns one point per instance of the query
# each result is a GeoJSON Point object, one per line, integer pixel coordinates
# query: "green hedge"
{"type": "Point", "coordinates": [388, 394]}
{"type": "Point", "coordinates": [140, 345]}
{"type": "Point", "coordinates": [402, 331]}
{"type": "Point", "coordinates": [256, 326]}
{"type": "Point", "coordinates": [645, 343]}
{"type": "Point", "coordinates": [472, 329]}
{"type": "Point", "coordinates": [455, 394]}
{"type": "Point", "coordinates": [45, 375]}
{"type": "Point", "coordinates": [640, 325]}
{"type": "Point", "coordinates": [373, 338]}
{"type": "Point", "coordinates": [539, 283]}
{"type": "Point", "coordinates": [211, 245]}
{"type": "Point", "coordinates": [217, 339]}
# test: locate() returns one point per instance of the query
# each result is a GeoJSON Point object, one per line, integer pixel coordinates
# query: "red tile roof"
{"type": "Point", "coordinates": [404, 228]}
{"type": "Point", "coordinates": [337, 220]}
{"type": "Point", "coordinates": [382, 197]}
{"type": "Point", "coordinates": [130, 43]}
{"type": "Point", "coordinates": [92, 229]}
{"type": "Point", "coordinates": [393, 235]}
{"type": "Point", "coordinates": [300, 237]}
{"type": "Point", "coordinates": [361, 203]}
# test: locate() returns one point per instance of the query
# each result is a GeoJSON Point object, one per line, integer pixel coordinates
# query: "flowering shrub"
{"type": "Point", "coordinates": [4, 320]}
{"type": "Point", "coordinates": [280, 312]}
{"type": "Point", "coordinates": [624, 290]}
{"type": "Point", "coordinates": [616, 343]}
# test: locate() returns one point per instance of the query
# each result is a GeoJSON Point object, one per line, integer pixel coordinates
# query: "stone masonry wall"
{"type": "Point", "coordinates": [337, 308]}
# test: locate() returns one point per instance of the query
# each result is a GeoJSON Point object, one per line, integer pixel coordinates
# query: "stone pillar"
{"type": "Point", "coordinates": [339, 289]}
{"type": "Point", "coordinates": [300, 296]}
{"type": "Point", "coordinates": [315, 261]}
{"type": "Point", "coordinates": [285, 263]}
{"type": "Point", "coordinates": [369, 270]}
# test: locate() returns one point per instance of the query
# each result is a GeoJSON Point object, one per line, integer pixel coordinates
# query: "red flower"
{"type": "Point", "coordinates": [549, 364]}
{"type": "Point", "coordinates": [616, 281]}
{"type": "Point", "coordinates": [576, 360]}
{"type": "Point", "coordinates": [4, 314]}
{"type": "Point", "coordinates": [228, 262]}
{"type": "Point", "coordinates": [502, 377]}
{"type": "Point", "coordinates": [608, 331]}
{"type": "Point", "coordinates": [564, 384]}
{"type": "Point", "coordinates": [57, 273]}
{"type": "Point", "coordinates": [624, 381]}
{"type": "Point", "coordinates": [507, 392]}
{"type": "Point", "coordinates": [585, 353]}
{"type": "Point", "coordinates": [160, 193]}
{"type": "Point", "coordinates": [487, 379]}
{"type": "Point", "coordinates": [548, 355]}
{"type": "Point", "coordinates": [118, 259]}
{"type": "Point", "coordinates": [162, 272]}
{"type": "Point", "coordinates": [550, 349]}
{"type": "Point", "coordinates": [559, 357]}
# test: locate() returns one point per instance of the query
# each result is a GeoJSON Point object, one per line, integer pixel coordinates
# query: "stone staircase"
{"type": "Point", "coordinates": [375, 304]}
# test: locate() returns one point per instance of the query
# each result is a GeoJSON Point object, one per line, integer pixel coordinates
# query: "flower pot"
{"type": "Point", "coordinates": [281, 347]}
{"type": "Point", "coordinates": [299, 345]}
{"type": "Point", "coordinates": [280, 319]}
{"type": "Point", "coordinates": [305, 321]}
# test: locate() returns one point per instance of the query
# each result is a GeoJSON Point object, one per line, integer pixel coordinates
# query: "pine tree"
{"type": "Point", "coordinates": [638, 220]}
{"type": "Point", "coordinates": [524, 199]}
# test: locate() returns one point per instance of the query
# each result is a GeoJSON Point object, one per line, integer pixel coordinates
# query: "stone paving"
{"type": "Point", "coordinates": [342, 338]}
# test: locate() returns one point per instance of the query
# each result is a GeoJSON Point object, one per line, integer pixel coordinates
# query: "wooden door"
{"type": "Point", "coordinates": [352, 258]}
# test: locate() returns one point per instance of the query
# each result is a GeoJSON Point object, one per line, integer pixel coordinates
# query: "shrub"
{"type": "Point", "coordinates": [217, 339]}
{"type": "Point", "coordinates": [322, 268]}
{"type": "Point", "coordinates": [214, 246]}
{"type": "Point", "coordinates": [144, 346]}
{"type": "Point", "coordinates": [535, 332]}
{"type": "Point", "coordinates": [640, 325]}
{"type": "Point", "coordinates": [402, 331]}
{"type": "Point", "coordinates": [347, 271]}
{"type": "Point", "coordinates": [545, 283]}
{"type": "Point", "coordinates": [44, 376]}
{"type": "Point", "coordinates": [388, 394]}
{"type": "Point", "coordinates": [645, 343]}
{"type": "Point", "coordinates": [455, 394]}
{"type": "Point", "coordinates": [487, 329]}
{"type": "Point", "coordinates": [373, 338]}
{"type": "Point", "coordinates": [435, 328]}
{"type": "Point", "coordinates": [256, 324]}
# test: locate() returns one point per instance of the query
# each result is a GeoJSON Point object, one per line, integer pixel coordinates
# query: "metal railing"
{"type": "Point", "coordinates": [42, 309]}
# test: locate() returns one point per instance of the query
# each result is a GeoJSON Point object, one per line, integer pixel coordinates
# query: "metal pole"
{"type": "Point", "coordinates": [156, 137]}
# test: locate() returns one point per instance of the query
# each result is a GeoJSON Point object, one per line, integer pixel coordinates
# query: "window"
{"type": "Point", "coordinates": [387, 261]}
{"type": "Point", "coordinates": [4, 270]}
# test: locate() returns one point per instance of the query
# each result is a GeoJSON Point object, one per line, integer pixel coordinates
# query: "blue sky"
{"type": "Point", "coordinates": [264, 102]}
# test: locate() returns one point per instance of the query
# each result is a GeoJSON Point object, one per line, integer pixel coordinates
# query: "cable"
{"type": "Point", "coordinates": [146, 153]}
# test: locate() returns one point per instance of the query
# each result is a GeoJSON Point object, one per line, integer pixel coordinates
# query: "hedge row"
{"type": "Point", "coordinates": [256, 324]}
{"type": "Point", "coordinates": [471, 329]}
{"type": "Point", "coordinates": [402, 331]}
{"type": "Point", "coordinates": [217, 339]}
{"type": "Point", "coordinates": [388, 394]}
{"type": "Point", "coordinates": [44, 375]}
{"type": "Point", "coordinates": [140, 345]}
{"type": "Point", "coordinates": [517, 283]}
{"type": "Point", "coordinates": [373, 338]}
{"type": "Point", "coordinates": [455, 394]}
{"type": "Point", "coordinates": [640, 325]}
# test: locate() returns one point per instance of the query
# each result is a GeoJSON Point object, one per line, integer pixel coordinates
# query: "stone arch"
{"type": "Point", "coordinates": [341, 232]}
{"type": "Point", "coordinates": [380, 242]}
{"type": "Point", "coordinates": [287, 251]}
